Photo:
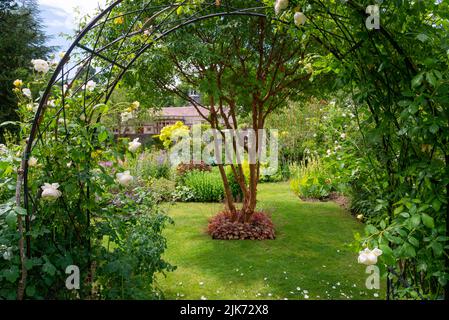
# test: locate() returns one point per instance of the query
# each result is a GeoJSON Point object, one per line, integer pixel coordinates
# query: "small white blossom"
{"type": "Point", "coordinates": [7, 255]}
{"type": "Point", "coordinates": [90, 85]}
{"type": "Point", "coordinates": [126, 116]}
{"type": "Point", "coordinates": [27, 92]}
{"type": "Point", "coordinates": [343, 136]}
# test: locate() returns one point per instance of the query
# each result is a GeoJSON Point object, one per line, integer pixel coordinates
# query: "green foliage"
{"type": "Point", "coordinates": [311, 179]}
{"type": "Point", "coordinates": [150, 164]}
{"type": "Point", "coordinates": [131, 248]}
{"type": "Point", "coordinates": [206, 186]}
{"type": "Point", "coordinates": [71, 229]}
{"type": "Point", "coordinates": [164, 189]}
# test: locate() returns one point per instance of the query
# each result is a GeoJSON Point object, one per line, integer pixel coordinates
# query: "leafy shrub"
{"type": "Point", "coordinates": [223, 227]}
{"type": "Point", "coordinates": [131, 247]}
{"type": "Point", "coordinates": [150, 164]}
{"type": "Point", "coordinates": [206, 186]}
{"type": "Point", "coordinates": [311, 180]}
{"type": "Point", "coordinates": [164, 189]}
{"type": "Point", "coordinates": [183, 194]}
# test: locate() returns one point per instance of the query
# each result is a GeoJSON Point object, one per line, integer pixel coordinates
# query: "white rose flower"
{"type": "Point", "coordinates": [90, 85]}
{"type": "Point", "coordinates": [7, 255]}
{"type": "Point", "coordinates": [40, 65]}
{"type": "Point", "coordinates": [280, 5]}
{"type": "Point", "coordinates": [50, 191]}
{"type": "Point", "coordinates": [134, 145]}
{"type": "Point", "coordinates": [125, 178]}
{"type": "Point", "coordinates": [377, 252]}
{"type": "Point", "coordinates": [300, 18]}
{"type": "Point", "coordinates": [360, 217]}
{"type": "Point", "coordinates": [27, 92]}
{"type": "Point", "coordinates": [343, 136]}
{"type": "Point", "coordinates": [32, 162]}
{"type": "Point", "coordinates": [368, 257]}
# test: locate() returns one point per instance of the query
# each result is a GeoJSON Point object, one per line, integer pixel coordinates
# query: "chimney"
{"type": "Point", "coordinates": [195, 96]}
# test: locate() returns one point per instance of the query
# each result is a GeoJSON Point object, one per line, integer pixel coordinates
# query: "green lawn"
{"type": "Point", "coordinates": [309, 259]}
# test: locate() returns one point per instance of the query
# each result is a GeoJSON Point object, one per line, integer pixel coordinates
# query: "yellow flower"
{"type": "Point", "coordinates": [135, 105]}
{"type": "Point", "coordinates": [18, 83]}
{"type": "Point", "coordinates": [119, 20]}
{"type": "Point", "coordinates": [96, 154]}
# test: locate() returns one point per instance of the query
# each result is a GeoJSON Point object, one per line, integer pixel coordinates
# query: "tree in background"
{"type": "Point", "coordinates": [21, 40]}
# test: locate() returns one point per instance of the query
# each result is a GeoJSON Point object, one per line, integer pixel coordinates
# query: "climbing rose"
{"type": "Point", "coordinates": [18, 83]}
{"type": "Point", "coordinates": [50, 191]}
{"type": "Point", "coordinates": [26, 92]}
{"type": "Point", "coordinates": [300, 18]}
{"type": "Point", "coordinates": [32, 162]}
{"type": "Point", "coordinates": [125, 178]}
{"type": "Point", "coordinates": [40, 65]}
{"type": "Point", "coordinates": [280, 5]}
{"type": "Point", "coordinates": [368, 257]}
{"type": "Point", "coordinates": [134, 145]}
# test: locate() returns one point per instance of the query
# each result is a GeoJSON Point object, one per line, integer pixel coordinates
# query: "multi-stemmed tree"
{"type": "Point", "coordinates": [249, 73]}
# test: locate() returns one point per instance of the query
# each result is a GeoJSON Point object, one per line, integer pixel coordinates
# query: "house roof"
{"type": "Point", "coordinates": [188, 111]}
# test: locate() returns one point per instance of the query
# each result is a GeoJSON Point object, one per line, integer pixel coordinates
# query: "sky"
{"type": "Point", "coordinates": [58, 16]}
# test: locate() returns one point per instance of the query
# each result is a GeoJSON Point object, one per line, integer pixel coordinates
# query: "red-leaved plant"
{"type": "Point", "coordinates": [223, 227]}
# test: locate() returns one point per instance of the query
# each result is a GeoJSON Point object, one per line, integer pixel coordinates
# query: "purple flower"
{"type": "Point", "coordinates": [106, 164]}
